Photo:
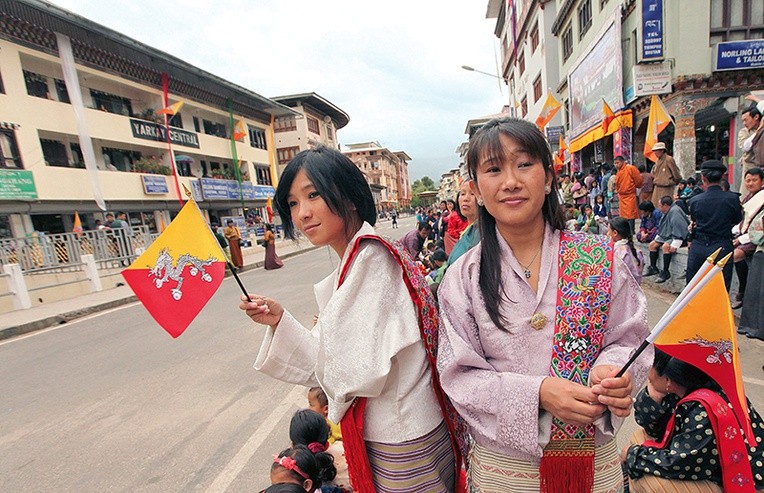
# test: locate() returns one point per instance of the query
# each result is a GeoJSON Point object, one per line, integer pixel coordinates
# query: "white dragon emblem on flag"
{"type": "Point", "coordinates": [722, 349]}
{"type": "Point", "coordinates": [166, 270]}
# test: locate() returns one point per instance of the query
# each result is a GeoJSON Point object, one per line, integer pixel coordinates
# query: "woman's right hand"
{"type": "Point", "coordinates": [262, 310]}
{"type": "Point", "coordinates": [570, 402]}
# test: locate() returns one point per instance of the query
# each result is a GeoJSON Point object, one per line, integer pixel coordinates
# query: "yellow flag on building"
{"type": "Point", "coordinates": [550, 108]}
{"type": "Point", "coordinates": [171, 110]}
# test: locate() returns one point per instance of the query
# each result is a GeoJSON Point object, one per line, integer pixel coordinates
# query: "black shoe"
{"type": "Point", "coordinates": [742, 330]}
{"type": "Point", "coordinates": [651, 271]}
{"type": "Point", "coordinates": [663, 277]}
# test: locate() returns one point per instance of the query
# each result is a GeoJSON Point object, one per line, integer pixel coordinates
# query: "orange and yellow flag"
{"type": "Point", "coordinates": [702, 334]}
{"type": "Point", "coordinates": [77, 226]}
{"type": "Point", "coordinates": [658, 120]}
{"type": "Point", "coordinates": [239, 132]}
{"type": "Point", "coordinates": [559, 157]}
{"type": "Point", "coordinates": [609, 117]}
{"type": "Point", "coordinates": [179, 272]}
{"type": "Point", "coordinates": [550, 108]}
{"type": "Point", "coordinates": [171, 110]}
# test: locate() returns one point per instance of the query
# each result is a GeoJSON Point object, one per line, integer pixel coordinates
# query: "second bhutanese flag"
{"type": "Point", "coordinates": [179, 272]}
{"type": "Point", "coordinates": [703, 335]}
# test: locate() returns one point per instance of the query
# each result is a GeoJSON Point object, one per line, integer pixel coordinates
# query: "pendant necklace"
{"type": "Point", "coordinates": [527, 269]}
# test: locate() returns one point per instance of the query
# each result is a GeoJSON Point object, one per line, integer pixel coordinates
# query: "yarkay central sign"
{"type": "Point", "coordinates": [153, 131]}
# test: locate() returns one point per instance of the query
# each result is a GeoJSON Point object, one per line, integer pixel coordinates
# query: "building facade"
{"type": "Point", "coordinates": [449, 185]}
{"type": "Point", "coordinates": [385, 168]}
{"type": "Point", "coordinates": [316, 125]}
{"type": "Point", "coordinates": [221, 133]}
{"type": "Point", "coordinates": [701, 57]}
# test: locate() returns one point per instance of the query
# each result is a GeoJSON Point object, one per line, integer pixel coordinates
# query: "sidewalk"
{"type": "Point", "coordinates": [47, 315]}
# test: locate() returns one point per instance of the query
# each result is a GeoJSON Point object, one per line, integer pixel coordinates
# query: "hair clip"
{"type": "Point", "coordinates": [290, 464]}
{"type": "Point", "coordinates": [316, 447]}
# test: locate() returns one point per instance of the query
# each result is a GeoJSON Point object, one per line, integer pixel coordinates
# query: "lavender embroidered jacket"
{"type": "Point", "coordinates": [493, 376]}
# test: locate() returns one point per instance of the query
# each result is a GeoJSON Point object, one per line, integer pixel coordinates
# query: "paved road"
{"type": "Point", "coordinates": [110, 403]}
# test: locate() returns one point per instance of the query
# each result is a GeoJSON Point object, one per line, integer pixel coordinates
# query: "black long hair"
{"type": "Point", "coordinates": [458, 209]}
{"type": "Point", "coordinates": [622, 227]}
{"type": "Point", "coordinates": [685, 374]}
{"type": "Point", "coordinates": [485, 142]}
{"type": "Point", "coordinates": [339, 182]}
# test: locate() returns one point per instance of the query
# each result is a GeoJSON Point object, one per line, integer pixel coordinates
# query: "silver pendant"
{"type": "Point", "coordinates": [527, 273]}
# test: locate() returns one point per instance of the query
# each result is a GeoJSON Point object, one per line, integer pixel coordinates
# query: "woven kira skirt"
{"type": "Point", "coordinates": [422, 465]}
{"type": "Point", "coordinates": [491, 472]}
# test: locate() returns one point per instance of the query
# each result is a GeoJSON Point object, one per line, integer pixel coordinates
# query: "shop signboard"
{"type": "Point", "coordinates": [597, 75]}
{"type": "Point", "coordinates": [651, 24]}
{"type": "Point", "coordinates": [652, 78]}
{"type": "Point", "coordinates": [196, 190]}
{"type": "Point", "coordinates": [739, 55]}
{"type": "Point", "coordinates": [214, 189]}
{"type": "Point", "coordinates": [17, 184]}
{"type": "Point", "coordinates": [154, 184]}
{"type": "Point", "coordinates": [553, 135]}
{"type": "Point", "coordinates": [153, 131]}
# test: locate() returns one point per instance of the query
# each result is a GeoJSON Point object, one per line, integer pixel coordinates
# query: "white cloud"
{"type": "Point", "coordinates": [393, 66]}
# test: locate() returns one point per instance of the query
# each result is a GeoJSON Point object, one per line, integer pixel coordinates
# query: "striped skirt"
{"type": "Point", "coordinates": [492, 472]}
{"type": "Point", "coordinates": [422, 465]}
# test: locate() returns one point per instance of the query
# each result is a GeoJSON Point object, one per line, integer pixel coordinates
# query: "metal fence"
{"type": "Point", "coordinates": [63, 251]}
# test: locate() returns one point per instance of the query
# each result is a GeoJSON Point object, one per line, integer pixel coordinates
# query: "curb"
{"type": "Point", "coordinates": [62, 318]}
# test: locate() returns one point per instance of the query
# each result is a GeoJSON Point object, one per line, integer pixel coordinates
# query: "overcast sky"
{"type": "Point", "coordinates": [394, 66]}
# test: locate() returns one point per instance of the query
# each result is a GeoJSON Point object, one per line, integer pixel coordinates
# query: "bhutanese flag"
{"type": "Point", "coordinates": [239, 132]}
{"type": "Point", "coordinates": [179, 272]}
{"type": "Point", "coordinates": [550, 108]}
{"type": "Point", "coordinates": [609, 116]}
{"type": "Point", "coordinates": [171, 110]}
{"type": "Point", "coordinates": [703, 334]}
{"type": "Point", "coordinates": [657, 121]}
{"type": "Point", "coordinates": [77, 226]}
{"type": "Point", "coordinates": [559, 157]}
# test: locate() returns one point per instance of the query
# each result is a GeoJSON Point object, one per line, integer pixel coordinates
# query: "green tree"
{"type": "Point", "coordinates": [422, 185]}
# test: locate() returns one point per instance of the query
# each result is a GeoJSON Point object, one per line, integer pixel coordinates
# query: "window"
{"type": "Point", "coordinates": [524, 106]}
{"type": "Point", "coordinates": [567, 42]}
{"type": "Point", "coordinates": [2, 88]}
{"type": "Point", "coordinates": [584, 17]}
{"type": "Point", "coordinates": [61, 92]}
{"type": "Point", "coordinates": [734, 20]}
{"type": "Point", "coordinates": [285, 154]}
{"type": "Point", "coordinates": [54, 153]}
{"type": "Point", "coordinates": [284, 124]}
{"type": "Point", "coordinates": [329, 131]}
{"type": "Point", "coordinates": [77, 158]}
{"type": "Point", "coordinates": [9, 150]}
{"type": "Point", "coordinates": [37, 85]}
{"type": "Point", "coordinates": [537, 88]}
{"type": "Point", "coordinates": [197, 128]}
{"type": "Point", "coordinates": [175, 120]}
{"type": "Point", "coordinates": [257, 137]}
{"type": "Point", "coordinates": [214, 128]}
{"type": "Point", "coordinates": [313, 125]}
{"type": "Point", "coordinates": [521, 62]}
{"type": "Point", "coordinates": [263, 175]}
{"type": "Point", "coordinates": [111, 103]}
{"type": "Point", "coordinates": [119, 159]}
{"type": "Point", "coordinates": [535, 37]}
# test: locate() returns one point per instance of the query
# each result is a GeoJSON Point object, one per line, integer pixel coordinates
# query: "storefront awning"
{"type": "Point", "coordinates": [623, 118]}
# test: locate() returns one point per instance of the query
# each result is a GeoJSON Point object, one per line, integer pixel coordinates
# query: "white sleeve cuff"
{"type": "Point", "coordinates": [744, 239]}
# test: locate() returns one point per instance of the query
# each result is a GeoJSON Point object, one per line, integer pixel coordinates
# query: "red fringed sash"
{"type": "Point", "coordinates": [737, 476]}
{"type": "Point", "coordinates": [583, 301]}
{"type": "Point", "coordinates": [359, 468]}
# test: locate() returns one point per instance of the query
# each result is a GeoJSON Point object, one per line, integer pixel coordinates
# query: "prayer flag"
{"type": "Point", "coordinates": [179, 272]}
{"type": "Point", "coordinates": [171, 110]}
{"type": "Point", "coordinates": [702, 334]}
{"type": "Point", "coordinates": [239, 131]}
{"type": "Point", "coordinates": [550, 108]}
{"type": "Point", "coordinates": [77, 226]}
{"type": "Point", "coordinates": [609, 117]}
{"type": "Point", "coordinates": [658, 120]}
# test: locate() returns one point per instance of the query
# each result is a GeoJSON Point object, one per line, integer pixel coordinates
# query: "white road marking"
{"type": "Point", "coordinates": [754, 381]}
{"type": "Point", "coordinates": [234, 467]}
{"type": "Point", "coordinates": [67, 324]}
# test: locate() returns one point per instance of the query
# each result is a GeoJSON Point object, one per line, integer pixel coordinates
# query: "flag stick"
{"type": "Point", "coordinates": [673, 311]}
{"type": "Point", "coordinates": [230, 266]}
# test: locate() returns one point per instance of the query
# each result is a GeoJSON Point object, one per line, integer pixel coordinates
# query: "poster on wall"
{"type": "Point", "coordinates": [651, 31]}
{"type": "Point", "coordinates": [594, 77]}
